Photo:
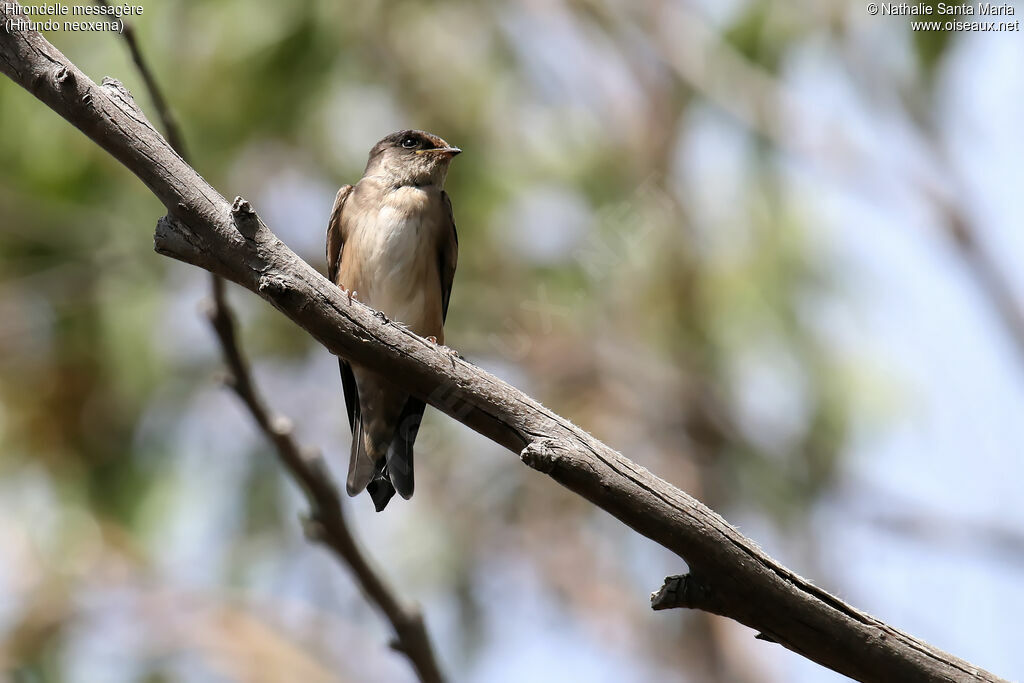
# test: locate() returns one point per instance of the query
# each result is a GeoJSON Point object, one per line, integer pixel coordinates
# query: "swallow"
{"type": "Point", "coordinates": [392, 244]}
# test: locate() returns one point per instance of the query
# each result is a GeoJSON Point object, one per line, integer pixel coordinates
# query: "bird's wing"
{"type": "Point", "coordinates": [361, 468]}
{"type": "Point", "coordinates": [448, 255]}
{"type": "Point", "coordinates": [400, 452]}
{"type": "Point", "coordinates": [336, 234]}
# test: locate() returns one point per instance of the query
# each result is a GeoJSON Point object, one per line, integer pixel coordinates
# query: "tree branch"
{"type": "Point", "coordinates": [326, 523]}
{"type": "Point", "coordinates": [156, 94]}
{"type": "Point", "coordinates": [201, 228]}
{"type": "Point", "coordinates": [989, 276]}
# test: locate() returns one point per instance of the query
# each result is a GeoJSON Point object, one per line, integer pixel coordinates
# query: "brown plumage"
{"type": "Point", "coordinates": [391, 240]}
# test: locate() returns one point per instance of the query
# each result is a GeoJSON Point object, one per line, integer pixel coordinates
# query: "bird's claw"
{"type": "Point", "coordinates": [351, 293]}
{"type": "Point", "coordinates": [447, 350]}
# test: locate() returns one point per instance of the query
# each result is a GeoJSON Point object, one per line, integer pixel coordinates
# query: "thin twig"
{"type": "Point", "coordinates": [326, 522]}
{"type": "Point", "coordinates": [991, 280]}
{"type": "Point", "coordinates": [163, 110]}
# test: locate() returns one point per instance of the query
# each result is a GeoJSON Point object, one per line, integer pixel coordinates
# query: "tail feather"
{"type": "Point", "coordinates": [400, 468]}
{"type": "Point", "coordinates": [361, 469]}
{"type": "Point", "coordinates": [400, 454]}
{"type": "Point", "coordinates": [363, 473]}
{"type": "Point", "coordinates": [360, 464]}
{"type": "Point", "coordinates": [384, 429]}
{"type": "Point", "coordinates": [380, 490]}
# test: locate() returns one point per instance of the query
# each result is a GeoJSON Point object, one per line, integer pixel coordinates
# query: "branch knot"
{"type": "Point", "coordinates": [244, 217]}
{"type": "Point", "coordinates": [63, 76]}
{"type": "Point", "coordinates": [541, 455]}
{"type": "Point", "coordinates": [272, 285]}
{"type": "Point", "coordinates": [121, 93]}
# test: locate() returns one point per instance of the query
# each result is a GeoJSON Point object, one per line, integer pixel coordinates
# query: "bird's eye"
{"type": "Point", "coordinates": [410, 142]}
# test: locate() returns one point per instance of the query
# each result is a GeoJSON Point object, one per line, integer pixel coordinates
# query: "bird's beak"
{"type": "Point", "coordinates": [444, 151]}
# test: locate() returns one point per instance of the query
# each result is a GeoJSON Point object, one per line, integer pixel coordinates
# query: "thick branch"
{"type": "Point", "coordinates": [327, 522]}
{"type": "Point", "coordinates": [742, 582]}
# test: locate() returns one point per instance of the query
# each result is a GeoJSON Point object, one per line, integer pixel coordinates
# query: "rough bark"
{"type": "Point", "coordinates": [729, 575]}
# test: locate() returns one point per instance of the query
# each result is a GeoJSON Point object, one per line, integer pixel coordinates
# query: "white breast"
{"type": "Point", "coordinates": [398, 257]}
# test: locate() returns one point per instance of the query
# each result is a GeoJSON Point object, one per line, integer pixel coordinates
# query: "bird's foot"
{"type": "Point", "coordinates": [383, 318]}
{"type": "Point", "coordinates": [351, 294]}
{"type": "Point", "coordinates": [449, 351]}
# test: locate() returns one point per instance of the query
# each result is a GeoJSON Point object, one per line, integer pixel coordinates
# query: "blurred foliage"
{"type": "Point", "coordinates": [931, 46]}
{"type": "Point", "coordinates": [587, 275]}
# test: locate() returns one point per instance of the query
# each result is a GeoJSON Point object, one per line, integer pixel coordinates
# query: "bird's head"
{"type": "Point", "coordinates": [411, 157]}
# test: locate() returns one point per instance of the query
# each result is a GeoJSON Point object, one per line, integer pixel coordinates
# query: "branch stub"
{"type": "Point", "coordinates": [244, 217]}
{"type": "Point", "coordinates": [682, 590]}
